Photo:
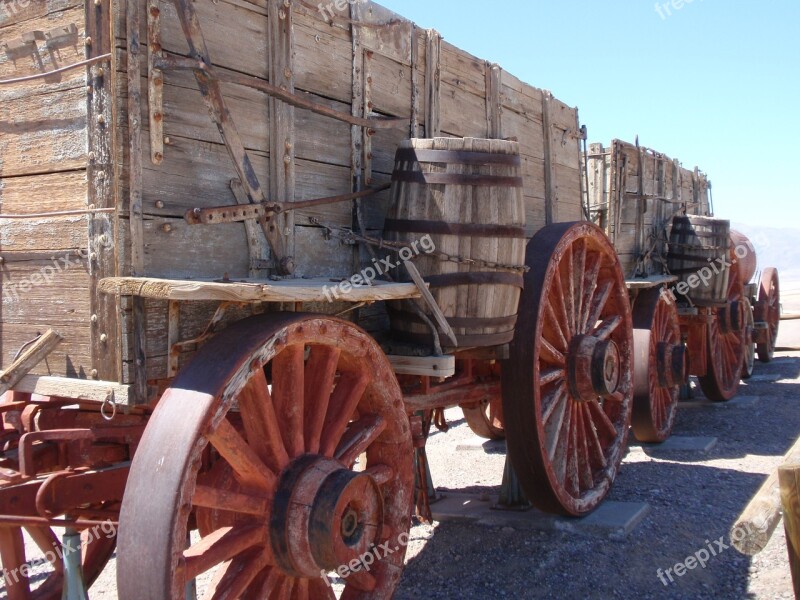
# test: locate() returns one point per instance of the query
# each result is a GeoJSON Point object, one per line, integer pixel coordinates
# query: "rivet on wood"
{"type": "Point", "coordinates": [158, 156]}
{"type": "Point", "coordinates": [101, 72]}
{"type": "Point", "coordinates": [166, 228]}
{"type": "Point", "coordinates": [103, 338]}
{"type": "Point", "coordinates": [159, 204]}
{"type": "Point", "coordinates": [98, 2]}
{"type": "Point", "coordinates": [89, 90]}
{"type": "Point", "coordinates": [92, 207]}
{"type": "Point", "coordinates": [167, 141]}
{"type": "Point", "coordinates": [2, 260]}
{"type": "Point", "coordinates": [91, 156]}
{"type": "Point", "coordinates": [93, 256]}
{"type": "Point", "coordinates": [158, 117]}
{"type": "Point", "coordinates": [101, 120]}
{"type": "Point", "coordinates": [287, 73]}
{"type": "Point", "coordinates": [88, 41]}
{"type": "Point", "coordinates": [155, 11]}
{"type": "Point", "coordinates": [103, 239]}
{"type": "Point", "coordinates": [101, 175]}
{"type": "Point", "coordinates": [94, 373]}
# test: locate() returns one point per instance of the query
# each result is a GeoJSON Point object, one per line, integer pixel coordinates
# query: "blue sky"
{"type": "Point", "coordinates": [715, 83]}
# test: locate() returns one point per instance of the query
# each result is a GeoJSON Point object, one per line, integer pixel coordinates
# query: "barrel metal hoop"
{"type": "Point", "coordinates": [457, 179]}
{"type": "Point", "coordinates": [461, 229]}
{"type": "Point", "coordinates": [455, 157]}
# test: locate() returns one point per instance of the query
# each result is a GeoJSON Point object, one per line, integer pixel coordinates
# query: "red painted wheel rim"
{"type": "Point", "coordinates": [655, 403]}
{"type": "Point", "coordinates": [726, 351]}
{"type": "Point", "coordinates": [769, 309]}
{"type": "Point", "coordinates": [566, 451]}
{"type": "Point", "coordinates": [269, 419]}
{"type": "Point", "coordinates": [485, 418]}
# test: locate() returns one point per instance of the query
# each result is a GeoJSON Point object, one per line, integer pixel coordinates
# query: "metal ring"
{"type": "Point", "coordinates": [108, 401]}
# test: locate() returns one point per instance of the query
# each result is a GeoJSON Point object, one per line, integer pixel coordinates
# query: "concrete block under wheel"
{"type": "Point", "coordinates": [610, 520]}
{"type": "Point", "coordinates": [737, 402]}
{"type": "Point", "coordinates": [678, 443]}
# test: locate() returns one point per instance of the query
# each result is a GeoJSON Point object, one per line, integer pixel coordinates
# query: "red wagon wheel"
{"type": "Point", "coordinates": [749, 346]}
{"type": "Point", "coordinates": [768, 310]}
{"type": "Point", "coordinates": [47, 582]}
{"type": "Point", "coordinates": [726, 344]}
{"type": "Point", "coordinates": [568, 388]}
{"type": "Point", "coordinates": [485, 418]}
{"type": "Point", "coordinates": [259, 437]}
{"type": "Point", "coordinates": [660, 365]}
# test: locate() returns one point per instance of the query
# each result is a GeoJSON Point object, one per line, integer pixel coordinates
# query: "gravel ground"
{"type": "Point", "coordinates": [693, 499]}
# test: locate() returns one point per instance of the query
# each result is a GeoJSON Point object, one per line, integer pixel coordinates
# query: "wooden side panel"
{"type": "Point", "coordinates": [634, 194]}
{"type": "Point", "coordinates": [48, 263]}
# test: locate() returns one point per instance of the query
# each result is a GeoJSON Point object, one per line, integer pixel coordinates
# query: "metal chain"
{"type": "Point", "coordinates": [350, 236]}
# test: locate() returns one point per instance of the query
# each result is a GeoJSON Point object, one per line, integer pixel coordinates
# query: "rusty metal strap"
{"type": "Point", "coordinates": [476, 278]}
{"type": "Point", "coordinates": [454, 157]}
{"type": "Point", "coordinates": [463, 229]}
{"type": "Point", "coordinates": [457, 179]}
{"type": "Point", "coordinates": [83, 63]}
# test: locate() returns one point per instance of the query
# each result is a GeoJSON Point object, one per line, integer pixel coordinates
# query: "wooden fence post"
{"type": "Point", "coordinates": [789, 478]}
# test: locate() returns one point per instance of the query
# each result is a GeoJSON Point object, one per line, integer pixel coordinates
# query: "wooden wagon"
{"type": "Point", "coordinates": [187, 189]}
{"type": "Point", "coordinates": [689, 277]}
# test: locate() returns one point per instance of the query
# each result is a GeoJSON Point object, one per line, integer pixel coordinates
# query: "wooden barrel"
{"type": "Point", "coordinates": [699, 254]}
{"type": "Point", "coordinates": [747, 260]}
{"type": "Point", "coordinates": [463, 198]}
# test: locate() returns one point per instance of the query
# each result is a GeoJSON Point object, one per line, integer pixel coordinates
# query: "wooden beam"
{"type": "Point", "coordinates": [430, 366]}
{"type": "Point", "coordinates": [291, 290]}
{"type": "Point", "coordinates": [762, 515]}
{"type": "Point", "coordinates": [106, 331]}
{"type": "Point", "coordinates": [550, 187]}
{"type": "Point", "coordinates": [441, 320]}
{"type": "Point", "coordinates": [135, 183]}
{"type": "Point", "coordinates": [30, 357]}
{"type": "Point", "coordinates": [433, 85]}
{"type": "Point", "coordinates": [789, 478]}
{"type": "Point", "coordinates": [155, 82]}
{"type": "Point", "coordinates": [78, 389]}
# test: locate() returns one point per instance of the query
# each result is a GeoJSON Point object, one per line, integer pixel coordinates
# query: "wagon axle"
{"type": "Point", "coordinates": [593, 367]}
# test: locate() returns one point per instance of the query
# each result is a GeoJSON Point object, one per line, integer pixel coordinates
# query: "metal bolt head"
{"type": "Point", "coordinates": [93, 318]}
{"type": "Point", "coordinates": [88, 41]}
{"type": "Point", "coordinates": [94, 373]}
{"type": "Point", "coordinates": [166, 228]}
{"type": "Point", "coordinates": [101, 120]}
{"type": "Point", "coordinates": [159, 204]}
{"type": "Point", "coordinates": [103, 338]}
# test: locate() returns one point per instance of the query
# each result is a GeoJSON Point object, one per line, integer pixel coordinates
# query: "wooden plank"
{"type": "Point", "coordinates": [100, 174]}
{"type": "Point", "coordinates": [280, 49]}
{"type": "Point", "coordinates": [428, 366]}
{"type": "Point", "coordinates": [789, 476]}
{"type": "Point", "coordinates": [135, 222]}
{"type": "Point", "coordinates": [155, 82]}
{"type": "Point", "coordinates": [30, 357]}
{"type": "Point", "coordinates": [650, 282]}
{"type": "Point", "coordinates": [433, 85]}
{"type": "Point", "coordinates": [303, 290]}
{"type": "Point", "coordinates": [763, 513]}
{"type": "Point", "coordinates": [79, 389]}
{"type": "Point", "coordinates": [550, 185]}
{"type": "Point", "coordinates": [71, 359]}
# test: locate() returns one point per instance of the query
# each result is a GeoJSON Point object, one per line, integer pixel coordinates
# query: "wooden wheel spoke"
{"type": "Point", "coordinates": [552, 401]}
{"type": "Point", "coordinates": [570, 297]}
{"type": "Point", "coordinates": [560, 298]}
{"type": "Point", "coordinates": [601, 421]}
{"type": "Point", "coordinates": [300, 591]}
{"type": "Point", "coordinates": [551, 375]}
{"type": "Point", "coordinates": [593, 440]}
{"type": "Point", "coordinates": [12, 556]}
{"type": "Point", "coordinates": [217, 499]}
{"type": "Point", "coordinates": [572, 479]}
{"type": "Point", "coordinates": [561, 328]}
{"type": "Point", "coordinates": [288, 375]}
{"type": "Point", "coordinates": [599, 302]}
{"type": "Point", "coordinates": [550, 354]}
{"type": "Point", "coordinates": [319, 380]}
{"type": "Point", "coordinates": [245, 462]}
{"type": "Point", "coordinates": [579, 273]}
{"type": "Point", "coordinates": [560, 446]}
{"type": "Point", "coordinates": [344, 401]}
{"type": "Point", "coordinates": [320, 589]}
{"type": "Point", "coordinates": [358, 438]}
{"type": "Point", "coordinates": [223, 545]}
{"type": "Point", "coordinates": [607, 328]}
{"type": "Point", "coordinates": [234, 577]}
{"type": "Point", "coordinates": [589, 286]}
{"type": "Point", "coordinates": [261, 423]}
{"type": "Point", "coordinates": [47, 541]}
{"type": "Point", "coordinates": [585, 476]}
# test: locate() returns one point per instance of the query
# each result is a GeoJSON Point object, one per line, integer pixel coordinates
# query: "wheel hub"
{"type": "Point", "coordinates": [672, 364]}
{"type": "Point", "coordinates": [324, 516]}
{"type": "Point", "coordinates": [594, 368]}
{"type": "Point", "coordinates": [731, 317]}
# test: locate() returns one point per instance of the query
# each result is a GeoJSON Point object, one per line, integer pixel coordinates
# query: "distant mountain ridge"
{"type": "Point", "coordinates": [775, 247]}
